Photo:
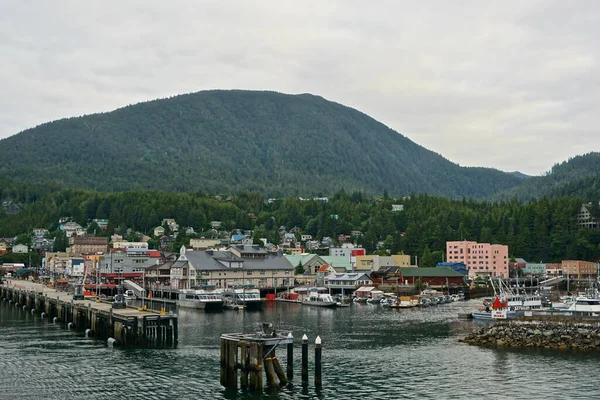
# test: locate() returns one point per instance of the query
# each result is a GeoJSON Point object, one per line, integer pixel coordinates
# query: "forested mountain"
{"type": "Point", "coordinates": [539, 230]}
{"type": "Point", "coordinates": [227, 141]}
{"type": "Point", "coordinates": [578, 176]}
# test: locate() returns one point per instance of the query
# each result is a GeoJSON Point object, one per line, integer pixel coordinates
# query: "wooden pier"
{"type": "Point", "coordinates": [125, 326]}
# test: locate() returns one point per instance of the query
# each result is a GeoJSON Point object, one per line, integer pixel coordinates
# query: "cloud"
{"type": "Point", "coordinates": [504, 85]}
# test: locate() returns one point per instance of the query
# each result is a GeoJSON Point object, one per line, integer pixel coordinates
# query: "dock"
{"type": "Point", "coordinates": [97, 317]}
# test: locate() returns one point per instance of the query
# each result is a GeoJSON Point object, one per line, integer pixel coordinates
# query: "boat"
{"type": "Point", "coordinates": [406, 302]}
{"type": "Point", "coordinates": [586, 301]}
{"type": "Point", "coordinates": [205, 298]}
{"type": "Point", "coordinates": [315, 298]}
{"type": "Point", "coordinates": [248, 296]}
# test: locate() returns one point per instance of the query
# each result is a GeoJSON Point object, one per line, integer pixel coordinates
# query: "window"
{"type": "Point", "coordinates": [249, 273]}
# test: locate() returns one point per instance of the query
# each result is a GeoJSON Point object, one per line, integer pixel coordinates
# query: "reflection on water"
{"type": "Point", "coordinates": [368, 352]}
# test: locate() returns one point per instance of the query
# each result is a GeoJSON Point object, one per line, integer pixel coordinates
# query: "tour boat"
{"type": "Point", "coordinates": [204, 299]}
{"type": "Point", "coordinates": [245, 295]}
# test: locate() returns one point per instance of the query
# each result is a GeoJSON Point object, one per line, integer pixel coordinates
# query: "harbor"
{"type": "Point", "coordinates": [364, 347]}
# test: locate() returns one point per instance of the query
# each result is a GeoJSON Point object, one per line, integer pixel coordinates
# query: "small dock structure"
{"type": "Point", "coordinates": [108, 320]}
{"type": "Point", "coordinates": [250, 354]}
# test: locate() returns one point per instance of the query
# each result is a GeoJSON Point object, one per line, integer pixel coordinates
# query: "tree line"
{"type": "Point", "coordinates": [543, 230]}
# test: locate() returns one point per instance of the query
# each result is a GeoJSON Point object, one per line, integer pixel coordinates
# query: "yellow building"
{"type": "Point", "coordinates": [374, 262]}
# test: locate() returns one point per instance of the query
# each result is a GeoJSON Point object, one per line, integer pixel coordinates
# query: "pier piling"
{"type": "Point", "coordinates": [290, 357]}
{"type": "Point", "coordinates": [304, 358]}
{"type": "Point", "coordinates": [318, 361]}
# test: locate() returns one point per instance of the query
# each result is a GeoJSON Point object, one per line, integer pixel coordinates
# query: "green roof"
{"type": "Point", "coordinates": [338, 262]}
{"type": "Point", "coordinates": [296, 259]}
{"type": "Point", "coordinates": [429, 272]}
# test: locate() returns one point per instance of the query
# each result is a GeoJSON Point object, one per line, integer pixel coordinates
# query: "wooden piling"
{"type": "Point", "coordinates": [278, 370]}
{"type": "Point", "coordinates": [304, 358]}
{"type": "Point", "coordinates": [290, 358]}
{"type": "Point", "coordinates": [259, 367]}
{"type": "Point", "coordinates": [243, 365]}
{"type": "Point", "coordinates": [269, 369]}
{"type": "Point", "coordinates": [253, 365]}
{"type": "Point", "coordinates": [223, 362]}
{"type": "Point", "coordinates": [231, 365]}
{"type": "Point", "coordinates": [318, 354]}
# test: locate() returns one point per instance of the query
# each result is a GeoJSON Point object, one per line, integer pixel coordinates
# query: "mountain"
{"type": "Point", "coordinates": [227, 141]}
{"type": "Point", "coordinates": [578, 176]}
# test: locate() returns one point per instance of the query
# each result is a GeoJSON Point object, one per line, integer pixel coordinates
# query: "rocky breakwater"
{"type": "Point", "coordinates": [536, 334]}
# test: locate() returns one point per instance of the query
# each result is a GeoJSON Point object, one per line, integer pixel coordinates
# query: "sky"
{"type": "Point", "coordinates": [504, 84]}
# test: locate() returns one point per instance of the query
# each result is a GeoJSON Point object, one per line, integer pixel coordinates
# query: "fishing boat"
{"type": "Point", "coordinates": [318, 299]}
{"type": "Point", "coordinates": [204, 298]}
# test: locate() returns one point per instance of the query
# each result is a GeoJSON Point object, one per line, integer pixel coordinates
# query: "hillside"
{"type": "Point", "coordinates": [578, 176]}
{"type": "Point", "coordinates": [227, 141]}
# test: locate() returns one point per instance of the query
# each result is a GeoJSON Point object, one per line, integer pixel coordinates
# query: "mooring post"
{"type": "Point", "coordinates": [318, 361]}
{"type": "Point", "coordinates": [305, 358]}
{"type": "Point", "coordinates": [223, 362]}
{"type": "Point", "coordinates": [290, 357]}
{"type": "Point", "coordinates": [232, 365]}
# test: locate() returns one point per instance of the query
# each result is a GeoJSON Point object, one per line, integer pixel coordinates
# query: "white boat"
{"type": "Point", "coordinates": [203, 299]}
{"type": "Point", "coordinates": [319, 299]}
{"type": "Point", "coordinates": [244, 296]}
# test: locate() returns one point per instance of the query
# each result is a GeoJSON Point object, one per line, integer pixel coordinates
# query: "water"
{"type": "Point", "coordinates": [369, 352]}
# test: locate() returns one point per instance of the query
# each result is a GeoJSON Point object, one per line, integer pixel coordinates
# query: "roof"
{"type": "Point", "coordinates": [353, 276]}
{"type": "Point", "coordinates": [324, 268]}
{"type": "Point", "coordinates": [429, 272]}
{"type": "Point", "coordinates": [300, 258]}
{"type": "Point", "coordinates": [338, 262]}
{"type": "Point", "coordinates": [365, 289]}
{"type": "Point", "coordinates": [237, 238]}
{"type": "Point", "coordinates": [213, 261]}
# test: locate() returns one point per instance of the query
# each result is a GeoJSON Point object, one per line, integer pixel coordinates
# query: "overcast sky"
{"type": "Point", "coordinates": [509, 85]}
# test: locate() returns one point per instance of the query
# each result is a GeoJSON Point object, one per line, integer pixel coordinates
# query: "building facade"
{"type": "Point", "coordinates": [579, 269]}
{"type": "Point", "coordinates": [481, 259]}
{"type": "Point", "coordinates": [88, 244]}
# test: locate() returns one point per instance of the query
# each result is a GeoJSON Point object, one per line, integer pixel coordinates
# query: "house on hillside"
{"type": "Point", "coordinates": [20, 248]}
{"type": "Point", "coordinates": [159, 231]}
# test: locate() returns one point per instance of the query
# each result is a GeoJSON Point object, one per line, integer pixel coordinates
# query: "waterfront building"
{"type": "Point", "coordinates": [375, 262]}
{"type": "Point", "coordinates": [554, 270]}
{"type": "Point", "coordinates": [347, 282]}
{"type": "Point", "coordinates": [455, 266]}
{"type": "Point", "coordinates": [433, 277]}
{"type": "Point", "coordinates": [238, 265]}
{"type": "Point", "coordinates": [129, 262]}
{"type": "Point", "coordinates": [534, 269]}
{"type": "Point", "coordinates": [481, 259]}
{"type": "Point", "coordinates": [579, 269]}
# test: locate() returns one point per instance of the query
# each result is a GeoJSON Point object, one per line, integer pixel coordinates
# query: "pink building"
{"type": "Point", "coordinates": [481, 259]}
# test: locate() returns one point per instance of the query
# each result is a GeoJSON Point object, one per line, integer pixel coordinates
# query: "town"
{"type": "Point", "coordinates": [232, 258]}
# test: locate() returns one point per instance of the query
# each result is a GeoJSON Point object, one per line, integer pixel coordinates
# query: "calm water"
{"type": "Point", "coordinates": [369, 352]}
